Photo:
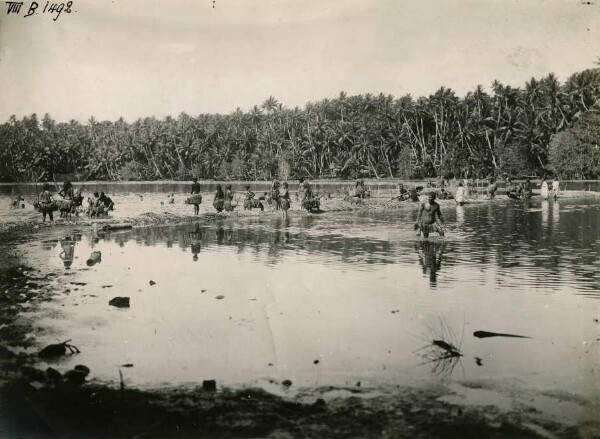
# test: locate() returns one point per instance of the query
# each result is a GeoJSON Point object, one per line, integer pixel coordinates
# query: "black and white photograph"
{"type": "Point", "coordinates": [300, 219]}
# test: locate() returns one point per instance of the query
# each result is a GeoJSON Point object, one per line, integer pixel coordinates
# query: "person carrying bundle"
{"type": "Point", "coordinates": [250, 201]}
{"type": "Point", "coordinates": [309, 202]}
{"type": "Point", "coordinates": [229, 204]}
{"type": "Point", "coordinates": [46, 204]}
{"type": "Point", "coordinates": [284, 199]}
{"type": "Point", "coordinates": [219, 199]}
{"type": "Point", "coordinates": [429, 213]}
{"type": "Point", "coordinates": [196, 198]}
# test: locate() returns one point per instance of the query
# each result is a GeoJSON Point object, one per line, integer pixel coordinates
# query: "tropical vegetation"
{"type": "Point", "coordinates": [543, 128]}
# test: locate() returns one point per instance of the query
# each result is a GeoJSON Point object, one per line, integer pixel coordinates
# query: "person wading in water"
{"type": "Point", "coordinates": [426, 220]}
{"type": "Point", "coordinates": [195, 195]}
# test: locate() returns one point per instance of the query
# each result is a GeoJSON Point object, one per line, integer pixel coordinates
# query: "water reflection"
{"type": "Point", "coordinates": [430, 257]}
{"type": "Point", "coordinates": [545, 212]}
{"type": "Point", "coordinates": [196, 240]}
{"type": "Point", "coordinates": [518, 245]}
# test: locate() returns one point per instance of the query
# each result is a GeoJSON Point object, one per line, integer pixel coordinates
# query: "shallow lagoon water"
{"type": "Point", "coordinates": [335, 299]}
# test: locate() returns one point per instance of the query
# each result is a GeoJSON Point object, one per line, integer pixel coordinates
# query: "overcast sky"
{"type": "Point", "coordinates": [136, 58]}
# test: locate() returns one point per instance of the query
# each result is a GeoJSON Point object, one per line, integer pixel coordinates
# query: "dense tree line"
{"type": "Point", "coordinates": [542, 128]}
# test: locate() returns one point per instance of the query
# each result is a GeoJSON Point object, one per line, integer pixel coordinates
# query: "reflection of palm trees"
{"type": "Point", "coordinates": [68, 250]}
{"type": "Point", "coordinates": [430, 257]}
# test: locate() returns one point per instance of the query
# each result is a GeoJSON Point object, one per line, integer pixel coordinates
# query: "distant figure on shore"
{"type": "Point", "coordinates": [544, 190]}
{"type": "Point", "coordinates": [429, 213]}
{"type": "Point", "coordinates": [196, 197]}
{"type": "Point", "coordinates": [460, 194]}
{"type": "Point", "coordinates": [219, 200]}
{"type": "Point", "coordinates": [555, 187]}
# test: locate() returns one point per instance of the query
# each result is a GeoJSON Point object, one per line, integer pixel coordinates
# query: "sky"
{"type": "Point", "coordinates": [138, 58]}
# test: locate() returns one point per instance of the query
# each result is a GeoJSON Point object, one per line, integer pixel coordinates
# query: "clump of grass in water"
{"type": "Point", "coordinates": [441, 352]}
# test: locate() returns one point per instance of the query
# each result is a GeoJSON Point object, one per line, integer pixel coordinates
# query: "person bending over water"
{"type": "Point", "coordinates": [429, 212]}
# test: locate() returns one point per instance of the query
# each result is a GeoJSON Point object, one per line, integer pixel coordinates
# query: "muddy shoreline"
{"type": "Point", "coordinates": [33, 403]}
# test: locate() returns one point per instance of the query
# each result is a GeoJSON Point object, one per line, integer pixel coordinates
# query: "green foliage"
{"type": "Point", "coordinates": [508, 130]}
{"type": "Point", "coordinates": [575, 152]}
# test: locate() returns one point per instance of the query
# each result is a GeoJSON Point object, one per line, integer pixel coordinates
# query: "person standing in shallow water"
{"type": "Point", "coordinates": [555, 185]}
{"type": "Point", "coordinates": [284, 199]}
{"type": "Point", "coordinates": [429, 212]}
{"type": "Point", "coordinates": [195, 195]}
{"type": "Point", "coordinates": [219, 200]}
{"type": "Point", "coordinates": [460, 194]}
{"type": "Point", "coordinates": [45, 202]}
{"type": "Point", "coordinates": [544, 190]}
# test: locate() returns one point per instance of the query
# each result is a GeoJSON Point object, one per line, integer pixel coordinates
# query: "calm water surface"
{"type": "Point", "coordinates": [359, 292]}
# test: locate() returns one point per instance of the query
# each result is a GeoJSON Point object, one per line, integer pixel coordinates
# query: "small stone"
{"type": "Point", "coordinates": [209, 385]}
{"type": "Point", "coordinates": [119, 302]}
{"type": "Point", "coordinates": [286, 383]}
{"type": "Point", "coordinates": [53, 375]}
{"type": "Point", "coordinates": [152, 283]}
{"type": "Point", "coordinates": [82, 368]}
{"type": "Point", "coordinates": [219, 297]}
{"type": "Point", "coordinates": [76, 376]}
{"type": "Point", "coordinates": [316, 362]}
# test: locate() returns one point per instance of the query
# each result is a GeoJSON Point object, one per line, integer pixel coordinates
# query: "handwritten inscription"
{"type": "Point", "coordinates": [48, 8]}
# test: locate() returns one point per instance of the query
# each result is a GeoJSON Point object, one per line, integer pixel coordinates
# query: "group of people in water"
{"type": "Point", "coordinates": [278, 198]}
{"type": "Point", "coordinates": [71, 201]}
{"type": "Point", "coordinates": [429, 217]}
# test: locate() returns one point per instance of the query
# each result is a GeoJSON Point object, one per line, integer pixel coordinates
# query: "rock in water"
{"type": "Point", "coordinates": [94, 258]}
{"type": "Point", "coordinates": [82, 368]}
{"type": "Point", "coordinates": [53, 375]}
{"type": "Point", "coordinates": [119, 302]}
{"type": "Point", "coordinates": [76, 376]}
{"type": "Point", "coordinates": [209, 385]}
